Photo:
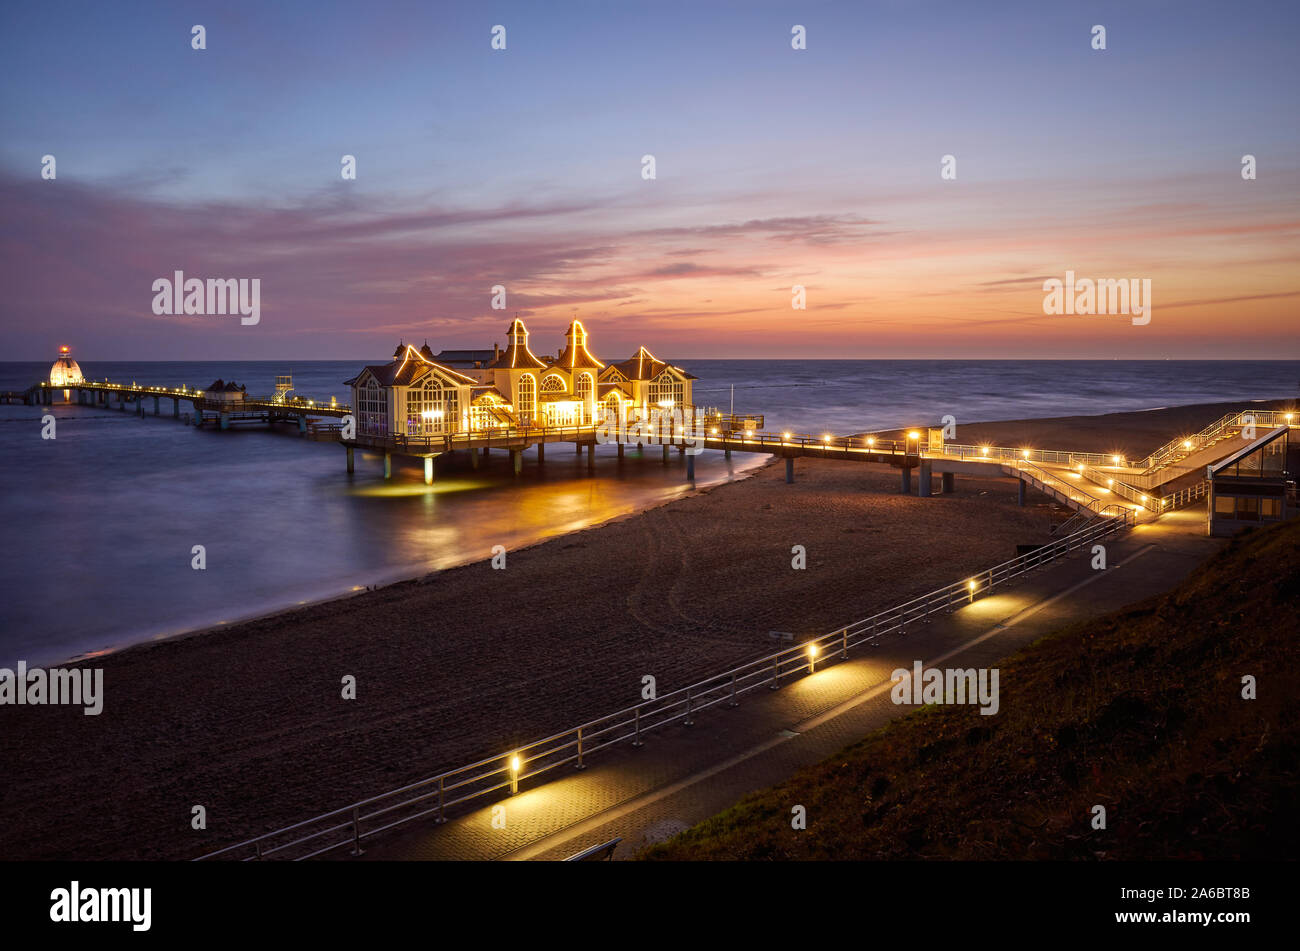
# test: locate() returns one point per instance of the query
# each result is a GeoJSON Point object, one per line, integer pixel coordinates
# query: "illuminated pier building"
{"type": "Point", "coordinates": [420, 393]}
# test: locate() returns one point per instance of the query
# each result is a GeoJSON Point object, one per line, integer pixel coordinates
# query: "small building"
{"type": "Point", "coordinates": [1256, 484]}
{"type": "Point", "coordinates": [65, 371]}
{"type": "Point", "coordinates": [230, 392]}
{"type": "Point", "coordinates": [419, 393]}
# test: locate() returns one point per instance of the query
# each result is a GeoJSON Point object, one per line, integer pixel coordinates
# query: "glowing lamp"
{"type": "Point", "coordinates": [871, 440]}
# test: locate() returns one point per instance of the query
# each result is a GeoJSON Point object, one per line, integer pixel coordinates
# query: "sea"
{"type": "Point", "coordinates": [101, 523]}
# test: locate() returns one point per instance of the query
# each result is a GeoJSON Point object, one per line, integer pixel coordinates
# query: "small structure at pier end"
{"type": "Point", "coordinates": [420, 393]}
{"type": "Point", "coordinates": [221, 391]}
{"type": "Point", "coordinates": [65, 371]}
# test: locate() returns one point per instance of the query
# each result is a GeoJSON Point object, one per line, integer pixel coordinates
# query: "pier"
{"type": "Point", "coordinates": [205, 408]}
{"type": "Point", "coordinates": [1091, 485]}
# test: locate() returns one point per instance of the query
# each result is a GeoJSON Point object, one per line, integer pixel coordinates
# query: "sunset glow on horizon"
{"type": "Point", "coordinates": [775, 168]}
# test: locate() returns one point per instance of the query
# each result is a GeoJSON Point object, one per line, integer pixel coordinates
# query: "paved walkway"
{"type": "Point", "coordinates": [686, 774]}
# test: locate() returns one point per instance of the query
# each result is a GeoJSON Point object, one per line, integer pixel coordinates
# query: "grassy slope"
{"type": "Point", "coordinates": [1140, 711]}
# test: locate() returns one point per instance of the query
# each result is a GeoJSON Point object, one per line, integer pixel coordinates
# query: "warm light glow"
{"type": "Point", "coordinates": [1025, 453]}
{"type": "Point", "coordinates": [715, 430]}
{"type": "Point", "coordinates": [749, 432]}
{"type": "Point", "coordinates": [914, 435]}
{"type": "Point", "coordinates": [785, 435]}
{"type": "Point", "coordinates": [984, 450]}
{"type": "Point", "coordinates": [1115, 459]}
{"type": "Point", "coordinates": [871, 440]}
{"type": "Point", "coordinates": [514, 764]}
{"type": "Point", "coordinates": [1110, 481]}
{"type": "Point", "coordinates": [812, 650]}
{"type": "Point", "coordinates": [971, 585]}
{"type": "Point", "coordinates": [1187, 444]}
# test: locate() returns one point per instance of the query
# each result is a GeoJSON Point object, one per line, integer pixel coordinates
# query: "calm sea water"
{"type": "Point", "coordinates": [99, 523]}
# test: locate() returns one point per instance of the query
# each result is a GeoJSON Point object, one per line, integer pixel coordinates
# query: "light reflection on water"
{"type": "Point", "coordinates": [99, 524]}
{"type": "Point", "coordinates": [102, 522]}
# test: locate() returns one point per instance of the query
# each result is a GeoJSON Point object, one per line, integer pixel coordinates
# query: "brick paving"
{"type": "Point", "coordinates": [685, 774]}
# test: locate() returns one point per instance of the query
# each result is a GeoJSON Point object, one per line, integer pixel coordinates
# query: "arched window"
{"type": "Point", "coordinates": [432, 408]}
{"type": "Point", "coordinates": [554, 384]}
{"type": "Point", "coordinates": [666, 388]}
{"type": "Point", "coordinates": [584, 389]}
{"type": "Point", "coordinates": [527, 398]}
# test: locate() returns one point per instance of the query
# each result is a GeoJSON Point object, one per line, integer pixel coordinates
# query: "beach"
{"type": "Point", "coordinates": [248, 720]}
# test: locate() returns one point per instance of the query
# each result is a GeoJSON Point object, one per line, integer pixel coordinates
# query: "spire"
{"type": "Point", "coordinates": [575, 354]}
{"type": "Point", "coordinates": [517, 356]}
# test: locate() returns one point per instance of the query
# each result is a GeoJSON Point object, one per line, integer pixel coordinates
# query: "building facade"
{"type": "Point", "coordinates": [419, 393]}
{"type": "Point", "coordinates": [1256, 484]}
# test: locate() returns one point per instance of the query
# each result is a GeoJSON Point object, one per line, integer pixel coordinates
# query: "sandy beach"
{"type": "Point", "coordinates": [248, 720]}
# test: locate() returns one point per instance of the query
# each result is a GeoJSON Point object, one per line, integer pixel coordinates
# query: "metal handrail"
{"type": "Point", "coordinates": [1190, 494]}
{"type": "Point", "coordinates": [343, 827]}
{"type": "Point", "coordinates": [1121, 488]}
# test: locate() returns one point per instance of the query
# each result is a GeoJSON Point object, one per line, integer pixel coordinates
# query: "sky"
{"type": "Point", "coordinates": [774, 167]}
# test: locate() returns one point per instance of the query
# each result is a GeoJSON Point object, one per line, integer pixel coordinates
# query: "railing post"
{"type": "Point", "coordinates": [688, 721]}
{"type": "Point", "coordinates": [733, 702]}
{"type": "Point", "coordinates": [258, 846]}
{"type": "Point", "coordinates": [844, 645]}
{"type": "Point", "coordinates": [356, 830]}
{"type": "Point", "coordinates": [776, 674]}
{"type": "Point", "coordinates": [636, 739]}
{"type": "Point", "coordinates": [441, 817]}
{"type": "Point", "coordinates": [580, 766]}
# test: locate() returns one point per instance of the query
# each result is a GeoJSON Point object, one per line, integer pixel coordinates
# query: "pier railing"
{"type": "Point", "coordinates": [1059, 457]}
{"type": "Point", "coordinates": [350, 826]}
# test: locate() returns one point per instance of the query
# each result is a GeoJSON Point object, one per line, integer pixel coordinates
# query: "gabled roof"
{"type": "Point", "coordinates": [604, 389]}
{"type": "Point", "coordinates": [517, 356]}
{"type": "Point", "coordinates": [407, 370]}
{"type": "Point", "coordinates": [575, 354]}
{"type": "Point", "coordinates": [644, 365]}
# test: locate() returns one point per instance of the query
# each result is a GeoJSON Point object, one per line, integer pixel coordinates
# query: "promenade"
{"type": "Point", "coordinates": [685, 774]}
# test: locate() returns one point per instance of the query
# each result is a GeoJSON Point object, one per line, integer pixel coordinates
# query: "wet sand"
{"type": "Point", "coordinates": [248, 720]}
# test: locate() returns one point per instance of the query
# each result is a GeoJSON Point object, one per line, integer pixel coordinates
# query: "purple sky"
{"type": "Point", "coordinates": [775, 167]}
